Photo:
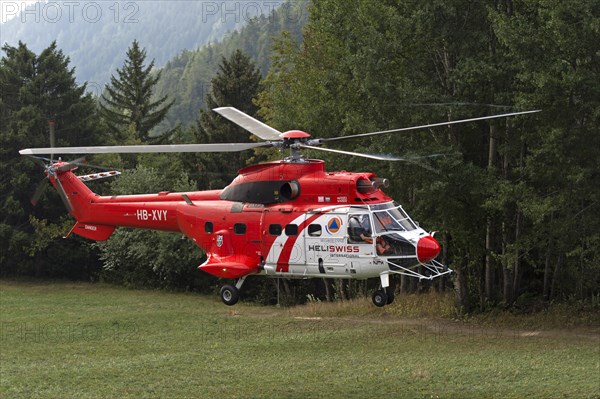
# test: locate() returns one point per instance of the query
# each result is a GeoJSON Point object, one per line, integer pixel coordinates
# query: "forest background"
{"type": "Point", "coordinates": [515, 202]}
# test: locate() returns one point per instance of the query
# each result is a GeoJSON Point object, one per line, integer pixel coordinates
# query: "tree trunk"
{"type": "Point", "coordinates": [339, 283]}
{"type": "Point", "coordinates": [481, 278]}
{"type": "Point", "coordinates": [414, 282]}
{"type": "Point", "coordinates": [517, 264]}
{"type": "Point", "coordinates": [350, 288]}
{"type": "Point", "coordinates": [518, 227]}
{"type": "Point", "coordinates": [462, 297]}
{"type": "Point", "coordinates": [554, 286]}
{"type": "Point", "coordinates": [404, 284]}
{"type": "Point", "coordinates": [489, 267]}
{"type": "Point", "coordinates": [547, 272]}
{"type": "Point", "coordinates": [287, 292]}
{"type": "Point", "coordinates": [328, 295]}
{"type": "Point", "coordinates": [442, 280]}
{"type": "Point", "coordinates": [507, 278]}
{"type": "Point", "coordinates": [441, 285]}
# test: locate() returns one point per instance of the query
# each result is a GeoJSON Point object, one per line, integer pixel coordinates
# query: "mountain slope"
{"type": "Point", "coordinates": [187, 77]}
{"type": "Point", "coordinates": [96, 35]}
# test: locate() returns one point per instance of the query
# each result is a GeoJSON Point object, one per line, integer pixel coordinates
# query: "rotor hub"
{"type": "Point", "coordinates": [294, 134]}
{"type": "Point", "coordinates": [293, 139]}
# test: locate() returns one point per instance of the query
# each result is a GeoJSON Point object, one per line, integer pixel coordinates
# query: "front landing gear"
{"type": "Point", "coordinates": [231, 294]}
{"type": "Point", "coordinates": [380, 298]}
{"type": "Point", "coordinates": [384, 295]}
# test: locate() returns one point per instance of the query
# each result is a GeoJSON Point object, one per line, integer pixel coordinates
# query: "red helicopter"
{"type": "Point", "coordinates": [289, 218]}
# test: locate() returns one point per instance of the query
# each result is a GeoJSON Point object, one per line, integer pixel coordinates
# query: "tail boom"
{"type": "Point", "coordinates": [98, 216]}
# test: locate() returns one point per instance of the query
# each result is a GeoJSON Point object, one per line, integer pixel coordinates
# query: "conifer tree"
{"type": "Point", "coordinates": [35, 89]}
{"type": "Point", "coordinates": [236, 85]}
{"type": "Point", "coordinates": [128, 105]}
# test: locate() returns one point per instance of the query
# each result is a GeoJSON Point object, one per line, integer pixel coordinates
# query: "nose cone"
{"type": "Point", "coordinates": [427, 249]}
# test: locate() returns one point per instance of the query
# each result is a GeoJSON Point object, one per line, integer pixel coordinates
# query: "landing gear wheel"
{"type": "Point", "coordinates": [230, 295]}
{"type": "Point", "coordinates": [380, 298]}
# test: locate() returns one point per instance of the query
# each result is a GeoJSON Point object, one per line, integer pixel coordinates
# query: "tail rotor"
{"type": "Point", "coordinates": [51, 170]}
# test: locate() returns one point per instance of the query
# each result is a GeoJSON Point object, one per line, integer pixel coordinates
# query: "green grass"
{"type": "Point", "coordinates": [78, 340]}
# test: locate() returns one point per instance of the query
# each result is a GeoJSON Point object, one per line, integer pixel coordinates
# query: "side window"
{"type": "Point", "coordinates": [314, 230]}
{"type": "Point", "coordinates": [208, 227]}
{"type": "Point", "coordinates": [275, 229]}
{"type": "Point", "coordinates": [291, 230]}
{"type": "Point", "coordinates": [239, 228]}
{"type": "Point", "coordinates": [359, 229]}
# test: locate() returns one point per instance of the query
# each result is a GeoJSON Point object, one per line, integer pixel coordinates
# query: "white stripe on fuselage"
{"type": "Point", "coordinates": [281, 241]}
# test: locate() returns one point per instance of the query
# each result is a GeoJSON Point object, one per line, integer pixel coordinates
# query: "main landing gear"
{"type": "Point", "coordinates": [231, 294]}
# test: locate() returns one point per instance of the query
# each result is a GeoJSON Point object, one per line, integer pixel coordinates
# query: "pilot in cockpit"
{"type": "Point", "coordinates": [383, 222]}
{"type": "Point", "coordinates": [359, 229]}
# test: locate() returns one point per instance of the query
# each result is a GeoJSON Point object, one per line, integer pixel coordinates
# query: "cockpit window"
{"type": "Point", "coordinates": [384, 222]}
{"type": "Point", "coordinates": [381, 207]}
{"type": "Point", "coordinates": [388, 217]}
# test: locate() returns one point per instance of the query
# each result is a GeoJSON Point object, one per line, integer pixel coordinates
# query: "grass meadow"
{"type": "Point", "coordinates": [77, 340]}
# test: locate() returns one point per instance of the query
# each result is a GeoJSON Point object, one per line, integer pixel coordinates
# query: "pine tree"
{"type": "Point", "coordinates": [33, 90]}
{"type": "Point", "coordinates": [129, 105]}
{"type": "Point", "coordinates": [236, 85]}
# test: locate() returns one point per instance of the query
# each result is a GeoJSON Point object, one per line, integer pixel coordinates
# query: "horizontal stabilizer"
{"type": "Point", "coordinates": [96, 232]}
{"type": "Point", "coordinates": [101, 175]}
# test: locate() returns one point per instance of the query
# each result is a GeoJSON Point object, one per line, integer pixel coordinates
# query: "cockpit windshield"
{"type": "Point", "coordinates": [391, 217]}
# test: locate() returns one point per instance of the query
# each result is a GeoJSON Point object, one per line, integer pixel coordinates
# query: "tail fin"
{"type": "Point", "coordinates": [77, 194]}
{"type": "Point", "coordinates": [79, 198]}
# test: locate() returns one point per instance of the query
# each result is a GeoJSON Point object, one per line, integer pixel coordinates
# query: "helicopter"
{"type": "Point", "coordinates": [286, 219]}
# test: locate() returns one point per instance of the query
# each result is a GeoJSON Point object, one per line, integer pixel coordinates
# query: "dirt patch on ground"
{"type": "Point", "coordinates": [324, 313]}
{"type": "Point", "coordinates": [444, 326]}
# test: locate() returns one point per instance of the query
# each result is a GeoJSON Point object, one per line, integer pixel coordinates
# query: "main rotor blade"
{"type": "Point", "coordinates": [356, 154]}
{"type": "Point", "coordinates": [405, 129]}
{"type": "Point", "coordinates": [40, 190]}
{"type": "Point", "coordinates": [38, 160]}
{"type": "Point", "coordinates": [252, 125]}
{"type": "Point", "coordinates": [128, 149]}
